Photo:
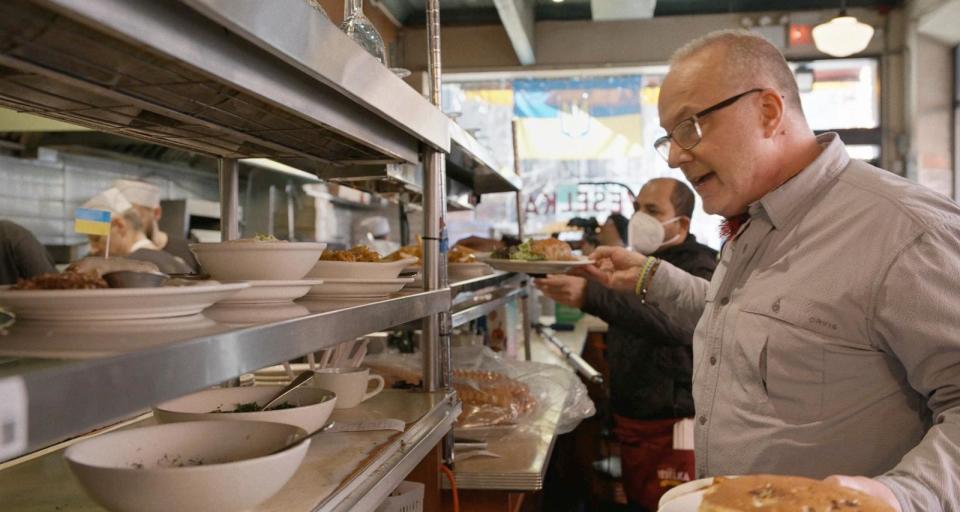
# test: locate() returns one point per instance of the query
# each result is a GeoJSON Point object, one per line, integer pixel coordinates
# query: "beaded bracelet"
{"type": "Point", "coordinates": [648, 279]}
{"type": "Point", "coordinates": [643, 272]}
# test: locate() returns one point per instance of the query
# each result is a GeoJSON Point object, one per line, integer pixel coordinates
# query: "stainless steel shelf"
{"type": "Point", "coordinates": [474, 166]}
{"type": "Point", "coordinates": [498, 278]}
{"type": "Point", "coordinates": [369, 465]}
{"type": "Point", "coordinates": [130, 366]}
{"type": "Point", "coordinates": [462, 316]}
{"type": "Point", "coordinates": [243, 79]}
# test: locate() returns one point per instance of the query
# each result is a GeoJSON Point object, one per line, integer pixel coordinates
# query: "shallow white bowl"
{"type": "Point", "coordinates": [136, 470]}
{"type": "Point", "coordinates": [356, 288]}
{"type": "Point", "coordinates": [314, 406]}
{"type": "Point", "coordinates": [265, 261]}
{"type": "Point", "coordinates": [359, 269]}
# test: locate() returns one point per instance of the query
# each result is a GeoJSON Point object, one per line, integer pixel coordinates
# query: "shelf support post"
{"type": "Point", "coordinates": [229, 199]}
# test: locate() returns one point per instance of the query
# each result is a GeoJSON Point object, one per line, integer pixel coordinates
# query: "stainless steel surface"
{"type": "Point", "coordinates": [296, 383]}
{"type": "Point", "coordinates": [582, 367]}
{"type": "Point", "coordinates": [151, 365]}
{"type": "Point", "coordinates": [462, 316]}
{"type": "Point", "coordinates": [497, 279]}
{"type": "Point", "coordinates": [293, 32]}
{"type": "Point", "coordinates": [350, 471]}
{"type": "Point", "coordinates": [367, 491]}
{"type": "Point", "coordinates": [526, 321]}
{"type": "Point", "coordinates": [378, 179]}
{"type": "Point", "coordinates": [435, 342]}
{"type": "Point", "coordinates": [472, 164]}
{"type": "Point", "coordinates": [160, 71]}
{"type": "Point", "coordinates": [229, 199]}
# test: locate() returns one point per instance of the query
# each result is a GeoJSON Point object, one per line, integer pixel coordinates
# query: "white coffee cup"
{"type": "Point", "coordinates": [350, 384]}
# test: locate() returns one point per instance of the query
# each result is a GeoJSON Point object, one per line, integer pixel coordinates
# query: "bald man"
{"type": "Point", "coordinates": [827, 340]}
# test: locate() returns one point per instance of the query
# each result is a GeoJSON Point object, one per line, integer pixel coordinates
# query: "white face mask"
{"type": "Point", "coordinates": [646, 233]}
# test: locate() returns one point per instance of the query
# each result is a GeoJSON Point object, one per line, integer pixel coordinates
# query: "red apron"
{"type": "Point", "coordinates": [650, 464]}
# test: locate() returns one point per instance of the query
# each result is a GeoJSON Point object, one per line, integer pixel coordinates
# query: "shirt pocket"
{"type": "Point", "coordinates": [793, 360]}
{"type": "Point", "coordinates": [749, 361]}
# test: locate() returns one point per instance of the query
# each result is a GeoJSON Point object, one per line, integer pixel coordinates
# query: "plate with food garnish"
{"type": "Point", "coordinates": [767, 493]}
{"type": "Point", "coordinates": [536, 257]}
{"type": "Point", "coordinates": [359, 262]}
{"type": "Point", "coordinates": [81, 293]}
{"type": "Point", "coordinates": [462, 262]}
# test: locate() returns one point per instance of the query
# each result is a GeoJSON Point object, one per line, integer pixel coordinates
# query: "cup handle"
{"type": "Point", "coordinates": [375, 392]}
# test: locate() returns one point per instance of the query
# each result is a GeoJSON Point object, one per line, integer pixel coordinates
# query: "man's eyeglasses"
{"type": "Point", "coordinates": [687, 133]}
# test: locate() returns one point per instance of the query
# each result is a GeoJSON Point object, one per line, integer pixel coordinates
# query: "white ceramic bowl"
{"type": "Point", "coordinates": [359, 269]}
{"type": "Point", "coordinates": [266, 261]}
{"type": "Point", "coordinates": [138, 470]}
{"type": "Point", "coordinates": [314, 406]}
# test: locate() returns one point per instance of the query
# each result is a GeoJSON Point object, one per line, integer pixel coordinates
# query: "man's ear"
{"type": "Point", "coordinates": [684, 223]}
{"type": "Point", "coordinates": [157, 213]}
{"type": "Point", "coordinates": [771, 111]}
{"type": "Point", "coordinates": [119, 224]}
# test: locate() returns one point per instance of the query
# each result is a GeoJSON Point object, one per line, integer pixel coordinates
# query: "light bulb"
{"type": "Point", "coordinates": [842, 36]}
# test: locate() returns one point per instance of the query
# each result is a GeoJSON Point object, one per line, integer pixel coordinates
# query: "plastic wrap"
{"type": "Point", "coordinates": [498, 392]}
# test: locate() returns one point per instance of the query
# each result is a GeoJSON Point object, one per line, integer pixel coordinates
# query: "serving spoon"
{"type": "Point", "coordinates": [324, 428]}
{"type": "Point", "coordinates": [296, 383]}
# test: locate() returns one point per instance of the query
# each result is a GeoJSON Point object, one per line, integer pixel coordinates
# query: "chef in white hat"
{"type": "Point", "coordinates": [128, 237]}
{"type": "Point", "coordinates": [374, 232]}
{"type": "Point", "coordinates": [145, 198]}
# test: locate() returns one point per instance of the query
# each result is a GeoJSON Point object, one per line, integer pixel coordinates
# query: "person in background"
{"type": "Point", "coordinates": [128, 237]}
{"type": "Point", "coordinates": [650, 357]}
{"type": "Point", "coordinates": [374, 232]}
{"type": "Point", "coordinates": [22, 256]}
{"type": "Point", "coordinates": [145, 198]}
{"type": "Point", "coordinates": [826, 343]}
{"type": "Point", "coordinates": [614, 230]}
{"type": "Point", "coordinates": [589, 243]}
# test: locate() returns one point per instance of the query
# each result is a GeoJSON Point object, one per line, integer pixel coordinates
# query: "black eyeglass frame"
{"type": "Point", "coordinates": [695, 119]}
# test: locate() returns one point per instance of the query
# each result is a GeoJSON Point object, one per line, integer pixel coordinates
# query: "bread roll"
{"type": "Point", "coordinates": [775, 493]}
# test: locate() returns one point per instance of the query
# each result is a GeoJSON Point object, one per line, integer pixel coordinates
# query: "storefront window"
{"type": "Point", "coordinates": [586, 142]}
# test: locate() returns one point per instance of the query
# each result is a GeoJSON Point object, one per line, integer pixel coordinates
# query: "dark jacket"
{"type": "Point", "coordinates": [21, 255]}
{"type": "Point", "coordinates": [650, 358]}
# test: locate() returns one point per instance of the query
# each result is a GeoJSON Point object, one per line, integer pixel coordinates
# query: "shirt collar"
{"type": "Point", "coordinates": [791, 198]}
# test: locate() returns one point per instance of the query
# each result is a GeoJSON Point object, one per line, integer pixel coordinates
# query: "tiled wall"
{"type": "Point", "coordinates": [42, 194]}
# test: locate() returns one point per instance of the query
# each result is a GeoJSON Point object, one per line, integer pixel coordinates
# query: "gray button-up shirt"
{"type": "Point", "coordinates": [828, 340]}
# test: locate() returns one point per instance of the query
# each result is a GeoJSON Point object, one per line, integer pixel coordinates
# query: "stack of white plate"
{"type": "Point", "coordinates": [357, 280]}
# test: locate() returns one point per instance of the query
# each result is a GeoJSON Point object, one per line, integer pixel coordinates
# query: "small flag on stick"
{"type": "Point", "coordinates": [93, 222]}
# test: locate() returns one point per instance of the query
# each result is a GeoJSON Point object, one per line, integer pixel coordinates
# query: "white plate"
{"type": "Point", "coordinates": [359, 269]}
{"type": "Point", "coordinates": [356, 288]}
{"type": "Point", "coordinates": [272, 292]}
{"type": "Point", "coordinates": [685, 489]}
{"type": "Point", "coordinates": [248, 314]}
{"type": "Point", "coordinates": [247, 260]}
{"type": "Point", "coordinates": [687, 503]}
{"type": "Point", "coordinates": [116, 303]}
{"type": "Point", "coordinates": [535, 267]}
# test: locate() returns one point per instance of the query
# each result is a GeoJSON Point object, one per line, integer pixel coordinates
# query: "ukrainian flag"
{"type": "Point", "coordinates": [92, 222]}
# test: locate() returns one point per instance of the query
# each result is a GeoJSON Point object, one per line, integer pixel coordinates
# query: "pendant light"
{"type": "Point", "coordinates": [843, 35]}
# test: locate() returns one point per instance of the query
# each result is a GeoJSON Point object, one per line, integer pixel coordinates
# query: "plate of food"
{"type": "Point", "coordinates": [462, 262]}
{"type": "Point", "coordinates": [350, 288]}
{"type": "Point", "coordinates": [358, 262]}
{"type": "Point", "coordinates": [86, 296]}
{"type": "Point", "coordinates": [272, 292]}
{"type": "Point", "coordinates": [536, 257]}
{"type": "Point", "coordinates": [766, 493]}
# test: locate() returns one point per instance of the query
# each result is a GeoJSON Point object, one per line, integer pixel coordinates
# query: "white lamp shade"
{"type": "Point", "coordinates": [842, 36]}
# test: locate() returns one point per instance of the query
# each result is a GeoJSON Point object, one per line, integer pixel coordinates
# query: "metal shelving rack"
{"type": "Point", "coordinates": [233, 79]}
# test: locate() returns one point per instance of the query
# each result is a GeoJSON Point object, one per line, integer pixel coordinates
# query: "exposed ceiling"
{"type": "Point", "coordinates": [477, 12]}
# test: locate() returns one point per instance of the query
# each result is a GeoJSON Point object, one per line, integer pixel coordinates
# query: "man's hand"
{"type": "Point", "coordinates": [616, 268]}
{"type": "Point", "coordinates": [866, 486]}
{"type": "Point", "coordinates": [567, 290]}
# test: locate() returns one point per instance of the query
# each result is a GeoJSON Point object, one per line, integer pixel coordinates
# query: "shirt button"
{"type": "Point", "coordinates": [703, 420]}
{"type": "Point", "coordinates": [776, 307]}
{"type": "Point", "coordinates": [713, 360]}
{"type": "Point", "coordinates": [724, 301]}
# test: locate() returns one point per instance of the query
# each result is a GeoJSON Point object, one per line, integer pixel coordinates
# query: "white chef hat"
{"type": "Point", "coordinates": [110, 199]}
{"type": "Point", "coordinates": [139, 192]}
{"type": "Point", "coordinates": [376, 226]}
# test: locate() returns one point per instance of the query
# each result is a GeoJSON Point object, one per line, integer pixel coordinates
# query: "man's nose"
{"type": "Point", "coordinates": [678, 156]}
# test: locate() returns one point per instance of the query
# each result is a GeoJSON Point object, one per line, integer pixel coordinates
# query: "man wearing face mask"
{"type": "Point", "coordinates": [649, 356]}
